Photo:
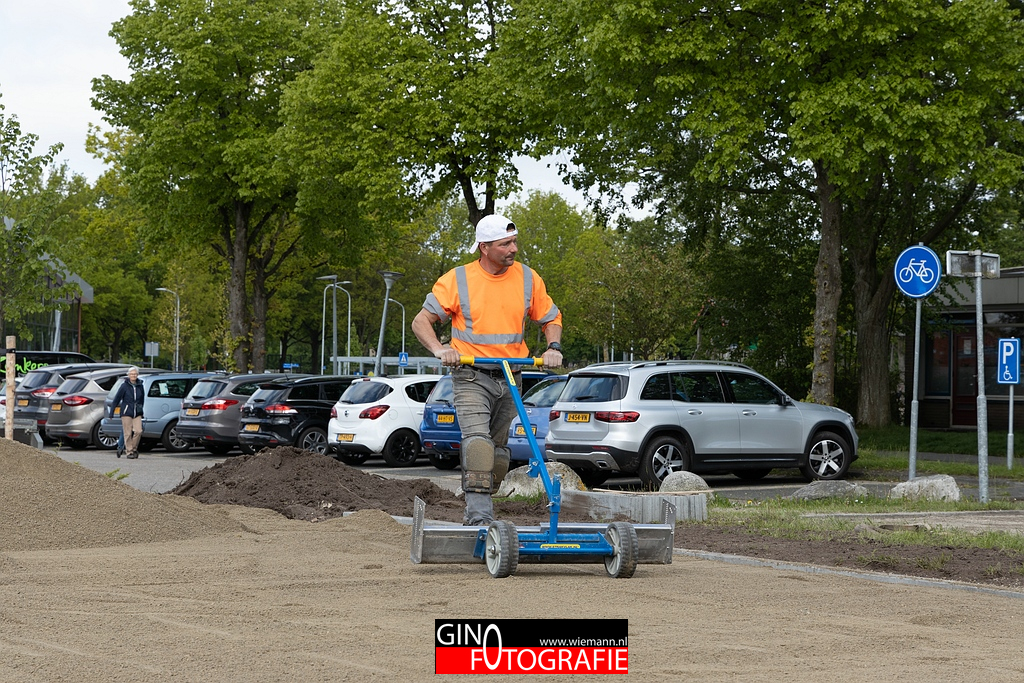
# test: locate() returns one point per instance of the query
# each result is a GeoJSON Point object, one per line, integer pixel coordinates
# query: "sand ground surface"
{"type": "Point", "coordinates": [101, 582]}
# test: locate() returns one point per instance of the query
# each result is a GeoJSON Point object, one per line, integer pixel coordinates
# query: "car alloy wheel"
{"type": "Point", "coordinates": [172, 442]}
{"type": "Point", "coordinates": [314, 439]}
{"type": "Point", "coordinates": [663, 456]}
{"type": "Point", "coordinates": [402, 449]}
{"type": "Point", "coordinates": [827, 458]}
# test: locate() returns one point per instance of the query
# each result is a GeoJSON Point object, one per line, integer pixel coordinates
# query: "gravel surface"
{"type": "Point", "coordinates": [101, 582]}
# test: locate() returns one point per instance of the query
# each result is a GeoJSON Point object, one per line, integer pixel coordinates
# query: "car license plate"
{"type": "Point", "coordinates": [577, 417]}
{"type": "Point", "coordinates": [191, 412]}
{"type": "Point", "coordinates": [345, 437]}
{"type": "Point", "coordinates": [445, 419]}
{"type": "Point", "coordinates": [22, 402]}
{"type": "Point", "coordinates": [522, 432]}
{"type": "Point", "coordinates": [56, 406]}
{"type": "Point", "coordinates": [252, 428]}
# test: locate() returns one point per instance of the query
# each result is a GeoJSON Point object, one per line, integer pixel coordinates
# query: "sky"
{"type": "Point", "coordinates": [50, 50]}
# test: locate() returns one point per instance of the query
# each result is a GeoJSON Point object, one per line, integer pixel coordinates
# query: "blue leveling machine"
{"type": "Point", "coordinates": [502, 546]}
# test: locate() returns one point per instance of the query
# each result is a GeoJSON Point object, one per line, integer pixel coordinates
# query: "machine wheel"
{"type": "Point", "coordinates": [102, 441]}
{"type": "Point", "coordinates": [217, 448]}
{"type": "Point", "coordinates": [753, 475]}
{"type": "Point", "coordinates": [592, 478]}
{"type": "Point", "coordinates": [351, 459]}
{"type": "Point", "coordinates": [313, 439]}
{"type": "Point", "coordinates": [172, 442]}
{"type": "Point", "coordinates": [827, 458]}
{"type": "Point", "coordinates": [402, 449]}
{"type": "Point", "coordinates": [622, 537]}
{"type": "Point", "coordinates": [501, 549]}
{"type": "Point", "coordinates": [444, 461]}
{"type": "Point", "coordinates": [663, 456]}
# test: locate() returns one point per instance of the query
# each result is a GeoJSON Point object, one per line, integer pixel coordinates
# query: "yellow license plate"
{"type": "Point", "coordinates": [522, 432]}
{"type": "Point", "coordinates": [22, 401]}
{"type": "Point", "coordinates": [345, 437]}
{"type": "Point", "coordinates": [56, 406]}
{"type": "Point", "coordinates": [191, 412]}
{"type": "Point", "coordinates": [252, 428]}
{"type": "Point", "coordinates": [577, 417]}
{"type": "Point", "coordinates": [445, 419]}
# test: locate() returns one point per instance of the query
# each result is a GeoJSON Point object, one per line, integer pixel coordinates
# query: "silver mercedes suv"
{"type": "Point", "coordinates": [651, 418]}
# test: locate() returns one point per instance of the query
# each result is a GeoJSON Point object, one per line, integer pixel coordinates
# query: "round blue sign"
{"type": "Point", "coordinates": [917, 271]}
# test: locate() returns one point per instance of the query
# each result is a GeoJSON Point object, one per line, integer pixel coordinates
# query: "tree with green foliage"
{"type": "Point", "coordinates": [32, 272]}
{"type": "Point", "coordinates": [203, 104]}
{"type": "Point", "coordinates": [821, 100]}
{"type": "Point", "coordinates": [405, 104]}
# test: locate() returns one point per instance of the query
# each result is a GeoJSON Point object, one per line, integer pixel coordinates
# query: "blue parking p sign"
{"type": "Point", "coordinates": [1009, 361]}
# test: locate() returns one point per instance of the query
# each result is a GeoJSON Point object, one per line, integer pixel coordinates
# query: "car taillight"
{"type": "Point", "coordinates": [334, 412]}
{"type": "Point", "coordinates": [77, 401]}
{"type": "Point", "coordinates": [44, 392]}
{"type": "Point", "coordinates": [616, 416]}
{"type": "Point", "coordinates": [218, 404]}
{"type": "Point", "coordinates": [373, 413]}
{"type": "Point", "coordinates": [3, 401]}
{"type": "Point", "coordinates": [554, 415]}
{"type": "Point", "coordinates": [281, 409]}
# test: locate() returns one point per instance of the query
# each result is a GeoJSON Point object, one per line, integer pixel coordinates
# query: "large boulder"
{"type": "Point", "coordinates": [685, 482]}
{"type": "Point", "coordinates": [934, 487]}
{"type": "Point", "coordinates": [817, 490]}
{"type": "Point", "coordinates": [518, 482]}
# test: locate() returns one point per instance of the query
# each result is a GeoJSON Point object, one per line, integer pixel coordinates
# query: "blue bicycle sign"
{"type": "Point", "coordinates": [918, 271]}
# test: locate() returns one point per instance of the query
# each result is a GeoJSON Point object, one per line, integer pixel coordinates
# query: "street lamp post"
{"type": "Point", "coordinates": [348, 338]}
{"type": "Point", "coordinates": [613, 317]}
{"type": "Point", "coordinates": [323, 320]}
{"type": "Point", "coordinates": [401, 371]}
{"type": "Point", "coordinates": [177, 319]}
{"type": "Point", "coordinates": [390, 277]}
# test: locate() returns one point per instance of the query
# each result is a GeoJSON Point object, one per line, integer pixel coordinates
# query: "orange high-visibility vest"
{"type": "Point", "coordinates": [489, 312]}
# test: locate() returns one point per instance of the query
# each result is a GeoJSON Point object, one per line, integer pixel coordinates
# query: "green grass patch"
{"type": "Point", "coordinates": [874, 466]}
{"type": "Point", "coordinates": [797, 519]}
{"type": "Point", "coordinates": [897, 438]}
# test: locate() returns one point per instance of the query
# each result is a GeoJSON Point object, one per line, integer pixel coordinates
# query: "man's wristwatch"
{"type": "Point", "coordinates": [555, 346]}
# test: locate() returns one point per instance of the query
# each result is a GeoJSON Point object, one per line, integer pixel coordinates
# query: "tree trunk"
{"type": "Point", "coordinates": [828, 288]}
{"type": "Point", "coordinates": [873, 349]}
{"type": "Point", "coordinates": [238, 259]}
{"type": "Point", "coordinates": [259, 316]}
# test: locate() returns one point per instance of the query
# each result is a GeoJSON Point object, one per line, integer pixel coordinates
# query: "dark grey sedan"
{"type": "Point", "coordinates": [211, 413]}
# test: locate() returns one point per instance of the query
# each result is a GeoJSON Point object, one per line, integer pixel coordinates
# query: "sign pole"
{"type": "Point", "coordinates": [979, 319]}
{"type": "Point", "coordinates": [1009, 373]}
{"type": "Point", "coordinates": [914, 404]}
{"type": "Point", "coordinates": [1009, 435]}
{"type": "Point", "coordinates": [917, 271]}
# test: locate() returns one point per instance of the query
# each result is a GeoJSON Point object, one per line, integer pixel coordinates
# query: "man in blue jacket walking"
{"type": "Point", "coordinates": [130, 398]}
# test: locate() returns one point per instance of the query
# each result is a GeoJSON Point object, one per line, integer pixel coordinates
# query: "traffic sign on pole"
{"type": "Point", "coordinates": [1009, 361]}
{"type": "Point", "coordinates": [917, 271]}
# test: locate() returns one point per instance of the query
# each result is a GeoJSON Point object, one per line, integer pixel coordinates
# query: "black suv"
{"type": "Point", "coordinates": [291, 412]}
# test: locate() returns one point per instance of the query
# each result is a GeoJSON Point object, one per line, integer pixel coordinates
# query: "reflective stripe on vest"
{"type": "Point", "coordinates": [467, 334]}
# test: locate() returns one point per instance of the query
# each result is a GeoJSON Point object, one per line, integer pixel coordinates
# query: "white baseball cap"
{"type": "Point", "coordinates": [491, 228]}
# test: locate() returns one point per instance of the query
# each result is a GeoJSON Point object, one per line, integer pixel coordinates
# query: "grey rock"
{"type": "Point", "coordinates": [683, 482]}
{"type": "Point", "coordinates": [934, 487]}
{"type": "Point", "coordinates": [818, 490]}
{"type": "Point", "coordinates": [518, 482]}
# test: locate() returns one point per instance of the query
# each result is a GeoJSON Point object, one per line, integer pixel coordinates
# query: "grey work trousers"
{"type": "Point", "coordinates": [485, 408]}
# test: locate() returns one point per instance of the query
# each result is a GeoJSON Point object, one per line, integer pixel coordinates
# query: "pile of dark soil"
{"type": "Point", "coordinates": [852, 550]}
{"type": "Point", "coordinates": [306, 486]}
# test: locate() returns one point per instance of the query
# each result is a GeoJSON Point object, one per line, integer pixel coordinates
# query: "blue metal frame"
{"type": "Point", "coordinates": [550, 542]}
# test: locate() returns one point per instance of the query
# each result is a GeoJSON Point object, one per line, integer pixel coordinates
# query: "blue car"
{"type": "Point", "coordinates": [538, 401]}
{"type": "Point", "coordinates": [439, 431]}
